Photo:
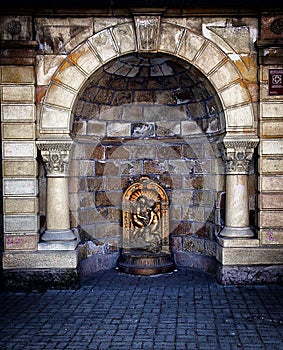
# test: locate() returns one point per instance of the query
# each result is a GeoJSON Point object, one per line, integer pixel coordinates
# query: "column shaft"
{"type": "Point", "coordinates": [58, 217]}
{"type": "Point", "coordinates": [237, 210]}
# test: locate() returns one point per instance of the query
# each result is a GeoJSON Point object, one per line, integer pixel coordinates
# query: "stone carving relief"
{"type": "Point", "coordinates": [14, 27]}
{"type": "Point", "coordinates": [147, 29]}
{"type": "Point", "coordinates": [237, 155]}
{"type": "Point", "coordinates": [56, 157]}
{"type": "Point", "coordinates": [145, 216]}
{"type": "Point", "coordinates": [277, 26]}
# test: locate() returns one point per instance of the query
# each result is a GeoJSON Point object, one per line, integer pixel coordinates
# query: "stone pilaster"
{"type": "Point", "coordinates": [237, 155]}
{"type": "Point", "coordinates": [56, 158]}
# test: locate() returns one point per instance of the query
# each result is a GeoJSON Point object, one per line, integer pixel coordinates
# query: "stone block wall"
{"type": "Point", "coordinates": [19, 152]}
{"type": "Point", "coordinates": [271, 131]}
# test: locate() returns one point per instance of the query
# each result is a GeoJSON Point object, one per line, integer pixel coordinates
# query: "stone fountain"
{"type": "Point", "coordinates": [145, 241]}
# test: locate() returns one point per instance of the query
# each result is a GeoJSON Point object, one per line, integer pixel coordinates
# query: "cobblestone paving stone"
{"type": "Point", "coordinates": [183, 310]}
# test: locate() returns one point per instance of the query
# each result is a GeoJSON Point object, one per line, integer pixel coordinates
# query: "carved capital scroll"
{"type": "Point", "coordinates": [147, 31]}
{"type": "Point", "coordinates": [56, 156]}
{"type": "Point", "coordinates": [237, 154]}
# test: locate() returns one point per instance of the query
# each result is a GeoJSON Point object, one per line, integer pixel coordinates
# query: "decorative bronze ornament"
{"type": "Point", "coordinates": [14, 27]}
{"type": "Point", "coordinates": [145, 229]}
{"type": "Point", "coordinates": [277, 26]}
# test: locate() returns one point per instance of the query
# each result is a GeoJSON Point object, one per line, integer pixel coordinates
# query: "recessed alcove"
{"type": "Point", "coordinates": [158, 116]}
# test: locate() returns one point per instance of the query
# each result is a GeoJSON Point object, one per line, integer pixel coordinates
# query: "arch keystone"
{"type": "Point", "coordinates": [147, 32]}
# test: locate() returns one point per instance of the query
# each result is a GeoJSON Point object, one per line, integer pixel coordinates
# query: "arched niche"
{"type": "Point", "coordinates": [145, 35]}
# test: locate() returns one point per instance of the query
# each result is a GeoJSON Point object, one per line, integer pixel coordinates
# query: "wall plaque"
{"type": "Point", "coordinates": [275, 82]}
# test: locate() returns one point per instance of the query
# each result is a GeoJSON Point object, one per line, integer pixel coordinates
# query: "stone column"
{"type": "Point", "coordinates": [237, 155]}
{"type": "Point", "coordinates": [56, 158]}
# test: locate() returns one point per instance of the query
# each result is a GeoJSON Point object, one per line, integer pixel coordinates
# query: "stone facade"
{"type": "Point", "coordinates": [89, 105]}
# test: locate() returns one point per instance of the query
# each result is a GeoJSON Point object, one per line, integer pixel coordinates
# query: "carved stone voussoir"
{"type": "Point", "coordinates": [237, 155]}
{"type": "Point", "coordinates": [56, 156]}
{"type": "Point", "coordinates": [147, 31]}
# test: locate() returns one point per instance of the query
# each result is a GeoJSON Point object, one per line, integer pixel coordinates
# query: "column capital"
{"type": "Point", "coordinates": [56, 156]}
{"type": "Point", "coordinates": [237, 154]}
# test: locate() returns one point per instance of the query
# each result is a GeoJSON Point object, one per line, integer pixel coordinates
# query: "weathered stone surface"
{"type": "Point", "coordinates": [16, 28]}
{"type": "Point", "coordinates": [20, 242]}
{"type": "Point", "coordinates": [271, 147]}
{"type": "Point", "coordinates": [273, 218]}
{"type": "Point", "coordinates": [19, 168]}
{"type": "Point", "coordinates": [249, 256]}
{"type": "Point", "coordinates": [271, 166]}
{"type": "Point", "coordinates": [240, 117]}
{"type": "Point", "coordinates": [104, 45]}
{"type": "Point", "coordinates": [249, 274]}
{"type": "Point", "coordinates": [271, 183]}
{"type": "Point", "coordinates": [40, 260]}
{"type": "Point", "coordinates": [54, 119]}
{"type": "Point", "coordinates": [17, 75]}
{"type": "Point", "coordinates": [170, 36]}
{"type": "Point", "coordinates": [274, 128]}
{"type": "Point", "coordinates": [20, 187]}
{"type": "Point", "coordinates": [14, 149]}
{"type": "Point", "coordinates": [234, 95]}
{"type": "Point", "coordinates": [17, 131]}
{"type": "Point", "coordinates": [20, 94]}
{"type": "Point", "coordinates": [118, 129]}
{"type": "Point", "coordinates": [124, 36]}
{"type": "Point", "coordinates": [271, 201]}
{"type": "Point", "coordinates": [271, 109]}
{"type": "Point", "coordinates": [20, 205]}
{"type": "Point", "coordinates": [209, 58]}
{"type": "Point", "coordinates": [18, 112]}
{"type": "Point", "coordinates": [20, 223]}
{"type": "Point", "coordinates": [191, 45]}
{"type": "Point", "coordinates": [60, 35]}
{"type": "Point", "coordinates": [271, 236]}
{"type": "Point", "coordinates": [60, 96]}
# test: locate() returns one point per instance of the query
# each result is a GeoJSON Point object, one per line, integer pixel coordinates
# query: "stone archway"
{"type": "Point", "coordinates": [147, 34]}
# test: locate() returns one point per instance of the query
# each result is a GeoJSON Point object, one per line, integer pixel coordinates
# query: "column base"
{"type": "Point", "coordinates": [58, 240]}
{"type": "Point", "coordinates": [237, 232]}
{"type": "Point", "coordinates": [59, 245]}
{"type": "Point", "coordinates": [58, 235]}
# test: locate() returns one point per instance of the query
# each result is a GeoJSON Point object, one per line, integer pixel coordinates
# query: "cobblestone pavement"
{"type": "Point", "coordinates": [186, 309]}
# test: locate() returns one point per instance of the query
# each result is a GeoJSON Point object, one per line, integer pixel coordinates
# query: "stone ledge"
{"type": "Point", "coordinates": [238, 242]}
{"type": "Point", "coordinates": [40, 260]}
{"type": "Point", "coordinates": [249, 255]}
